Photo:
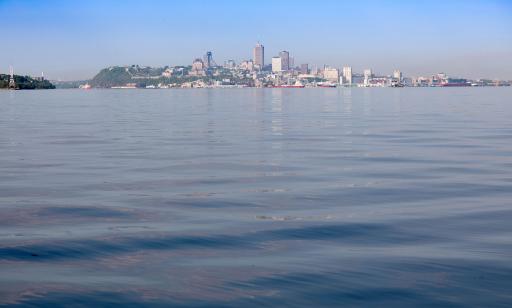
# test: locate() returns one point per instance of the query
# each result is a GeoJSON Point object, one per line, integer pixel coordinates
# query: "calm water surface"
{"type": "Point", "coordinates": [251, 197]}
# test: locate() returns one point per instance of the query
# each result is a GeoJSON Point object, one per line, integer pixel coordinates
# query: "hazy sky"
{"type": "Point", "coordinates": [74, 39]}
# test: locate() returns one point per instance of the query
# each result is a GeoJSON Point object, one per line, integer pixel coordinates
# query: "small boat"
{"type": "Point", "coordinates": [289, 86]}
{"type": "Point", "coordinates": [297, 84]}
{"type": "Point", "coordinates": [326, 85]}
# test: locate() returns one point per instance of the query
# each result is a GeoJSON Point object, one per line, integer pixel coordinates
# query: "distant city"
{"type": "Point", "coordinates": [281, 71]}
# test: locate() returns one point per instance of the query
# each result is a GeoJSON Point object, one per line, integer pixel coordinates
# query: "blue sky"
{"type": "Point", "coordinates": [74, 39]}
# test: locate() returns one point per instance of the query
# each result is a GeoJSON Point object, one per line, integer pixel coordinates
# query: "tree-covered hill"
{"type": "Point", "coordinates": [110, 77]}
{"type": "Point", "coordinates": [119, 76]}
{"type": "Point", "coordinates": [25, 83]}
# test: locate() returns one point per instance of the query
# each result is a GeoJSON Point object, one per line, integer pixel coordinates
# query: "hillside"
{"type": "Point", "coordinates": [25, 83]}
{"type": "Point", "coordinates": [118, 76]}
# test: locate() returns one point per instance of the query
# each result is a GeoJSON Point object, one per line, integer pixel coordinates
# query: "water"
{"type": "Point", "coordinates": [250, 197]}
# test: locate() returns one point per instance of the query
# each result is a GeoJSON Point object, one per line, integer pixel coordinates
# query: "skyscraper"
{"type": "Point", "coordinates": [208, 60]}
{"type": "Point", "coordinates": [259, 55]}
{"type": "Point", "coordinates": [277, 64]}
{"type": "Point", "coordinates": [285, 60]}
{"type": "Point", "coordinates": [347, 75]}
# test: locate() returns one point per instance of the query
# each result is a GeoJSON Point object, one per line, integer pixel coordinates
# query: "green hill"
{"type": "Point", "coordinates": [25, 83]}
{"type": "Point", "coordinates": [119, 76]}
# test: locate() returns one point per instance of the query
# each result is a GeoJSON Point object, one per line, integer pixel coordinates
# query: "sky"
{"type": "Point", "coordinates": [73, 40]}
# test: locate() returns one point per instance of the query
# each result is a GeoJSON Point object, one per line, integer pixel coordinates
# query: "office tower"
{"type": "Point", "coordinates": [285, 60]}
{"type": "Point", "coordinates": [397, 75]}
{"type": "Point", "coordinates": [304, 69]}
{"type": "Point", "coordinates": [347, 75]}
{"type": "Point", "coordinates": [208, 60]}
{"type": "Point", "coordinates": [291, 64]}
{"type": "Point", "coordinates": [259, 55]}
{"type": "Point", "coordinates": [277, 64]}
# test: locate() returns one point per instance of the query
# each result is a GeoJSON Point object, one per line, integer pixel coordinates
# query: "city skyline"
{"type": "Point", "coordinates": [72, 41]}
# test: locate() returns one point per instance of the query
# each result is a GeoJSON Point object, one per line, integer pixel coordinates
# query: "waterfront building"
{"type": "Point", "coordinates": [347, 75]}
{"type": "Point", "coordinates": [397, 75]}
{"type": "Point", "coordinates": [285, 60]}
{"type": "Point", "coordinates": [368, 75]}
{"type": "Point", "coordinates": [277, 64]}
{"type": "Point", "coordinates": [12, 82]}
{"type": "Point", "coordinates": [331, 74]}
{"type": "Point", "coordinates": [259, 55]}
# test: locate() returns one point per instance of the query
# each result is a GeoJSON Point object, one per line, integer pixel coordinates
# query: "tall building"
{"type": "Point", "coordinates": [258, 55]}
{"type": "Point", "coordinates": [304, 69]}
{"type": "Point", "coordinates": [331, 74]}
{"type": "Point", "coordinates": [368, 74]}
{"type": "Point", "coordinates": [347, 75]}
{"type": "Point", "coordinates": [285, 60]}
{"type": "Point", "coordinates": [12, 83]}
{"type": "Point", "coordinates": [208, 60]}
{"type": "Point", "coordinates": [277, 64]}
{"type": "Point", "coordinates": [198, 68]}
{"type": "Point", "coordinates": [291, 64]}
{"type": "Point", "coordinates": [397, 75]}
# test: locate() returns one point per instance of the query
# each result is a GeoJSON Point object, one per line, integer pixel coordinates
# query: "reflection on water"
{"type": "Point", "coordinates": [256, 197]}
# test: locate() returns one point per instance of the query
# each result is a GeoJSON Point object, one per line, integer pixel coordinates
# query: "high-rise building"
{"type": "Point", "coordinates": [304, 69]}
{"type": "Point", "coordinates": [368, 74]}
{"type": "Point", "coordinates": [277, 64]}
{"type": "Point", "coordinates": [259, 55]}
{"type": "Point", "coordinates": [347, 75]}
{"type": "Point", "coordinates": [208, 60]}
{"type": "Point", "coordinates": [397, 75]}
{"type": "Point", "coordinates": [285, 60]}
{"type": "Point", "coordinates": [291, 64]}
{"type": "Point", "coordinates": [331, 74]}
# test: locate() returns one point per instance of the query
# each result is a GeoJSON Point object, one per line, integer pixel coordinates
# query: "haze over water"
{"type": "Point", "coordinates": [252, 197]}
